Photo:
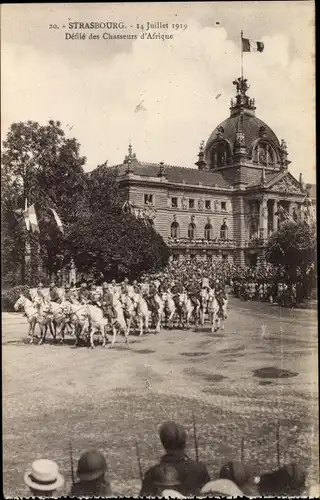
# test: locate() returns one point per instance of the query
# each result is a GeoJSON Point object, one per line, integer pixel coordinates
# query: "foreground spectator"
{"type": "Point", "coordinates": [44, 478]}
{"type": "Point", "coordinates": [92, 468]}
{"type": "Point", "coordinates": [192, 475]}
{"type": "Point", "coordinates": [221, 488]}
{"type": "Point", "coordinates": [289, 480]}
{"type": "Point", "coordinates": [166, 478]}
{"type": "Point", "coordinates": [242, 476]}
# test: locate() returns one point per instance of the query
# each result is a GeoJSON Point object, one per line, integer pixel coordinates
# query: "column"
{"type": "Point", "coordinates": [275, 217]}
{"type": "Point", "coordinates": [264, 219]}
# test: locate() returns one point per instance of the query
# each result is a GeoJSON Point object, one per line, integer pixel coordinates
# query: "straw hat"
{"type": "Point", "coordinates": [171, 494]}
{"type": "Point", "coordinates": [221, 487]}
{"type": "Point", "coordinates": [44, 476]}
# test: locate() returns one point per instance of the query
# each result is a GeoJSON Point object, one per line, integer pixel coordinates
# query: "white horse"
{"type": "Point", "coordinates": [30, 311]}
{"type": "Point", "coordinates": [169, 308]}
{"type": "Point", "coordinates": [204, 296]}
{"type": "Point", "coordinates": [45, 317]}
{"type": "Point", "coordinates": [216, 316]}
{"type": "Point", "coordinates": [118, 323]}
{"type": "Point", "coordinates": [142, 312]}
{"type": "Point", "coordinates": [129, 312]}
{"type": "Point", "coordinates": [158, 316]}
{"type": "Point", "coordinates": [186, 307]}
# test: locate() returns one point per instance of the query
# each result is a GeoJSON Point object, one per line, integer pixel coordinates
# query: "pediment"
{"type": "Point", "coordinates": [286, 184]}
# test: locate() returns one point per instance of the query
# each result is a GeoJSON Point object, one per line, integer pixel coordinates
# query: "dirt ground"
{"type": "Point", "coordinates": [239, 382]}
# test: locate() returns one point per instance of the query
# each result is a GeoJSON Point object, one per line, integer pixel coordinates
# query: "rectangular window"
{"type": "Point", "coordinates": [191, 202]}
{"type": "Point", "coordinates": [224, 206]}
{"type": "Point", "coordinates": [174, 202]}
{"type": "Point", "coordinates": [208, 204]}
{"type": "Point", "coordinates": [148, 199]}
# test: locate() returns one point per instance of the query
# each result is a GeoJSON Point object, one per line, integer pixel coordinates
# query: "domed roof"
{"type": "Point", "coordinates": [251, 127]}
{"type": "Point", "coordinates": [242, 120]}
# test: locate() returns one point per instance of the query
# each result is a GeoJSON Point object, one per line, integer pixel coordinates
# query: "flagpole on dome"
{"type": "Point", "coordinates": [241, 44]}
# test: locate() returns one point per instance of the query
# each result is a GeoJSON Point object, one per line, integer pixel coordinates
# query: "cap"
{"type": "Point", "coordinates": [91, 465]}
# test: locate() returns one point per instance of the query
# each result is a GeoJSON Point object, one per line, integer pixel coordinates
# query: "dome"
{"type": "Point", "coordinates": [243, 134]}
{"type": "Point", "coordinates": [251, 127]}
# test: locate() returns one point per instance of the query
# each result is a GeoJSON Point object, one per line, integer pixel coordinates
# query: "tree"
{"type": "Point", "coordinates": [41, 164]}
{"type": "Point", "coordinates": [103, 192]}
{"type": "Point", "coordinates": [293, 246]}
{"type": "Point", "coordinates": [116, 245]}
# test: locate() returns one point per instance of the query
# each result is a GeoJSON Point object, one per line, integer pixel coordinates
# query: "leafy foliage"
{"type": "Point", "coordinates": [293, 246]}
{"type": "Point", "coordinates": [117, 245]}
{"type": "Point", "coordinates": [10, 296]}
{"type": "Point", "coordinates": [40, 163]}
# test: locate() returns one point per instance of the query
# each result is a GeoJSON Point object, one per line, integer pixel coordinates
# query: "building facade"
{"type": "Point", "coordinates": [227, 207]}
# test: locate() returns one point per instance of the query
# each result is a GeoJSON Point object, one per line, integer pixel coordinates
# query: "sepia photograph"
{"type": "Point", "coordinates": [159, 238]}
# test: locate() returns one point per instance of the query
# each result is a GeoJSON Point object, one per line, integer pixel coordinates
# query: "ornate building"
{"type": "Point", "coordinates": [230, 204]}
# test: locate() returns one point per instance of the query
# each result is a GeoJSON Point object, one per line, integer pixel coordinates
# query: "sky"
{"type": "Point", "coordinates": [94, 86]}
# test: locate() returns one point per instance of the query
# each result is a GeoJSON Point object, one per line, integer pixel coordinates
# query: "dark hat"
{"type": "Point", "coordinates": [91, 465]}
{"type": "Point", "coordinates": [165, 475]}
{"type": "Point", "coordinates": [172, 436]}
{"type": "Point", "coordinates": [288, 480]}
{"type": "Point", "coordinates": [238, 473]}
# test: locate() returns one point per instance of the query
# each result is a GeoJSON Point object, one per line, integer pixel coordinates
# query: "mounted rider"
{"type": "Point", "coordinates": [107, 302]}
{"type": "Point", "coordinates": [84, 294]}
{"type": "Point", "coordinates": [220, 295]}
{"type": "Point", "coordinates": [193, 290]}
{"type": "Point", "coordinates": [54, 293]}
{"type": "Point", "coordinates": [135, 286]}
{"type": "Point", "coordinates": [68, 294]}
{"type": "Point", "coordinates": [153, 291]}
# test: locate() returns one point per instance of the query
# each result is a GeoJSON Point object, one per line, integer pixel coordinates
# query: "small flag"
{"type": "Point", "coordinates": [57, 219]}
{"type": "Point", "coordinates": [139, 108]}
{"type": "Point", "coordinates": [26, 215]}
{"type": "Point", "coordinates": [250, 46]}
{"type": "Point", "coordinates": [33, 219]}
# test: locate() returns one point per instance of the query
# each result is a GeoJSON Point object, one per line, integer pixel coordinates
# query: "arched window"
{"type": "Point", "coordinates": [192, 231]}
{"type": "Point", "coordinates": [224, 231]}
{"type": "Point", "coordinates": [220, 155]}
{"type": "Point", "coordinates": [263, 154]}
{"type": "Point", "coordinates": [174, 230]}
{"type": "Point", "coordinates": [208, 232]}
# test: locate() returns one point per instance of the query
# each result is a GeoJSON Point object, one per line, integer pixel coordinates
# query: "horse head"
{"type": "Point", "coordinates": [20, 302]}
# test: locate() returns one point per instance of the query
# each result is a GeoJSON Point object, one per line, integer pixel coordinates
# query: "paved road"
{"type": "Point", "coordinates": [213, 373]}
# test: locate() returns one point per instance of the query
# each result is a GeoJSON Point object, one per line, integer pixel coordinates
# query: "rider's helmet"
{"type": "Point", "coordinates": [126, 280]}
{"type": "Point", "coordinates": [134, 283]}
{"type": "Point", "coordinates": [40, 286]}
{"type": "Point", "coordinates": [113, 282]}
{"type": "Point", "coordinates": [105, 285]}
{"type": "Point", "coordinates": [52, 285]}
{"type": "Point", "coordinates": [83, 285]}
{"type": "Point", "coordinates": [67, 286]}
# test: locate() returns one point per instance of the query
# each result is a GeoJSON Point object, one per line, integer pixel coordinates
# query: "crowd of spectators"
{"type": "Point", "coordinates": [176, 475]}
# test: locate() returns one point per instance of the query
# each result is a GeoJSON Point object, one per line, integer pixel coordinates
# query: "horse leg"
{"type": "Point", "coordinates": [52, 328]}
{"type": "Point", "coordinates": [146, 323]}
{"type": "Point", "coordinates": [127, 330]}
{"type": "Point", "coordinates": [92, 332]}
{"type": "Point", "coordinates": [114, 331]}
{"type": "Point", "coordinates": [141, 326]}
